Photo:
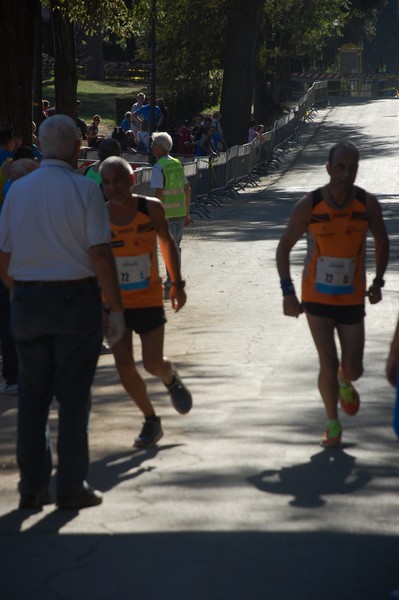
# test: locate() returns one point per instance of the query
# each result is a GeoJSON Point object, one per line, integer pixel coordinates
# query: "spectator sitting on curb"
{"type": "Point", "coordinates": [93, 137]}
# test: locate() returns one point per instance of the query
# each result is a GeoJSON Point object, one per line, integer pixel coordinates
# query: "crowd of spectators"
{"type": "Point", "coordinates": [201, 135]}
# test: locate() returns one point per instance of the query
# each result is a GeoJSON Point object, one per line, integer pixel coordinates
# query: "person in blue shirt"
{"type": "Point", "coordinates": [126, 123]}
{"type": "Point", "coordinates": [144, 113]}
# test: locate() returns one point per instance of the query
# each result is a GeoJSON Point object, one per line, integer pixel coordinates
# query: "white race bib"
{"type": "Point", "coordinates": [133, 271]}
{"type": "Point", "coordinates": [335, 275]}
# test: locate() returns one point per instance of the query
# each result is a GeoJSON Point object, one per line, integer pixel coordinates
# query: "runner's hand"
{"type": "Point", "coordinates": [291, 306]}
{"type": "Point", "coordinates": [177, 298]}
{"type": "Point", "coordinates": [374, 294]}
{"type": "Point", "coordinates": [116, 327]}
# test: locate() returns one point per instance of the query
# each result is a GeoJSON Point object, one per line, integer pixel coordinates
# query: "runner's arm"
{"type": "Point", "coordinates": [381, 244]}
{"type": "Point", "coordinates": [392, 367]}
{"type": "Point", "coordinates": [295, 229]}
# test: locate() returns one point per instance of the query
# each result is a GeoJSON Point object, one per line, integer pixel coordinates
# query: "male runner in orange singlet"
{"type": "Point", "coordinates": [336, 219]}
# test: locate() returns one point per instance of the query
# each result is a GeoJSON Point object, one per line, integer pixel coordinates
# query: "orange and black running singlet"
{"type": "Point", "coordinates": [134, 248]}
{"type": "Point", "coordinates": [334, 270]}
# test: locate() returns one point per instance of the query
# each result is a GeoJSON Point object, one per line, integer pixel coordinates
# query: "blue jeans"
{"type": "Point", "coordinates": [176, 228]}
{"type": "Point", "coordinates": [58, 334]}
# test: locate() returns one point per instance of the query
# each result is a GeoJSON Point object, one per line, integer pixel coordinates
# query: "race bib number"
{"type": "Point", "coordinates": [335, 275]}
{"type": "Point", "coordinates": [133, 271]}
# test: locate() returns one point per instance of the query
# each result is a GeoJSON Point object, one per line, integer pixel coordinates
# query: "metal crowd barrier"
{"type": "Point", "coordinates": [211, 178]}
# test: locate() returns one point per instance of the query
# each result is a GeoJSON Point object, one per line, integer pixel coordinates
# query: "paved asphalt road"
{"type": "Point", "coordinates": [238, 501]}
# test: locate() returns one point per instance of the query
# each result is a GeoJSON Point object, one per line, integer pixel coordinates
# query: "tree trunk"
{"type": "Point", "coordinates": [65, 77]}
{"type": "Point", "coordinates": [16, 65]}
{"type": "Point", "coordinates": [244, 22]}
{"type": "Point", "coordinates": [262, 96]}
{"type": "Point", "coordinates": [95, 59]}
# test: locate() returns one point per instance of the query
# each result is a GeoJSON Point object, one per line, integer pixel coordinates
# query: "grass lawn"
{"type": "Point", "coordinates": [98, 97]}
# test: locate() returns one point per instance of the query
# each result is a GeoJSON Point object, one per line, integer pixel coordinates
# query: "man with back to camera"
{"type": "Point", "coordinates": [336, 219]}
{"type": "Point", "coordinates": [54, 242]}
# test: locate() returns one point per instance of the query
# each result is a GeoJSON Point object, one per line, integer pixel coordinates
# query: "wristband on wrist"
{"type": "Point", "coordinates": [287, 287]}
{"type": "Point", "coordinates": [379, 281]}
{"type": "Point", "coordinates": [179, 284]}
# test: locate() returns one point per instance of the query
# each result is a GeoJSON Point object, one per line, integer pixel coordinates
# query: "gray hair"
{"type": "Point", "coordinates": [116, 162]}
{"type": "Point", "coordinates": [57, 136]}
{"type": "Point", "coordinates": [163, 139]}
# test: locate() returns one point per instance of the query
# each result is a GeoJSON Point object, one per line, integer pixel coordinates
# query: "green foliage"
{"type": "Point", "coordinates": [99, 98]}
{"type": "Point", "coordinates": [191, 37]}
{"type": "Point", "coordinates": [94, 15]}
{"type": "Point", "coordinates": [301, 27]}
{"type": "Point", "coordinates": [190, 47]}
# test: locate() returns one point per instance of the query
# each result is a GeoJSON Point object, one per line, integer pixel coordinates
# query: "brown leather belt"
{"type": "Point", "coordinates": [62, 282]}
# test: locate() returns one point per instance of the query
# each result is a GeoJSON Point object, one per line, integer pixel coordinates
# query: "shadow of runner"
{"type": "Point", "coordinates": [331, 471]}
{"type": "Point", "coordinates": [113, 469]}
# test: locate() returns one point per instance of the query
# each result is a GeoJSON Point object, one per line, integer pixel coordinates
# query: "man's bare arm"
{"type": "Point", "coordinates": [296, 227]}
{"type": "Point", "coordinates": [381, 245]}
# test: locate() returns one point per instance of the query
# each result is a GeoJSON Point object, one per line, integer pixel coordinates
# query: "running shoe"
{"type": "Point", "coordinates": [331, 441]}
{"type": "Point", "coordinates": [150, 434]}
{"type": "Point", "coordinates": [105, 348]}
{"type": "Point", "coordinates": [349, 398]}
{"type": "Point", "coordinates": [180, 397]}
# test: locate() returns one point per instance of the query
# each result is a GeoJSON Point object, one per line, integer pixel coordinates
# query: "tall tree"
{"type": "Point", "coordinates": [92, 15]}
{"type": "Point", "coordinates": [244, 22]}
{"type": "Point", "coordinates": [95, 58]}
{"type": "Point", "coordinates": [16, 65]}
{"type": "Point", "coordinates": [190, 42]}
{"type": "Point", "coordinates": [66, 80]}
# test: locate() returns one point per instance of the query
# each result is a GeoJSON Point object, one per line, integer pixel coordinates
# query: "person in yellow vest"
{"type": "Point", "coordinates": [336, 219]}
{"type": "Point", "coordinates": [136, 223]}
{"type": "Point", "coordinates": [171, 187]}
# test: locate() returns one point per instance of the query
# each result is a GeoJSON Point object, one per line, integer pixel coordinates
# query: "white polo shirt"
{"type": "Point", "coordinates": [49, 220]}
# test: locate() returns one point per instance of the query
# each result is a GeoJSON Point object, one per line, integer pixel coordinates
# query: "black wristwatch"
{"type": "Point", "coordinates": [379, 281]}
{"type": "Point", "coordinates": [179, 284]}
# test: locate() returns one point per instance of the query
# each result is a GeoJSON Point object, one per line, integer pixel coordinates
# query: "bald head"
{"type": "Point", "coordinates": [346, 146]}
{"type": "Point", "coordinates": [116, 164]}
{"type": "Point", "coordinates": [117, 178]}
